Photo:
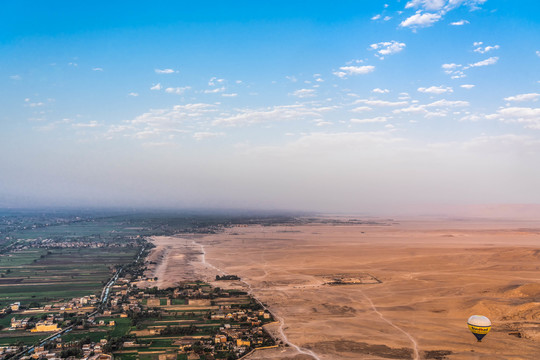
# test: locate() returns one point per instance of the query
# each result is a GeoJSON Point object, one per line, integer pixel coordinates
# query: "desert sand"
{"type": "Point", "coordinates": [418, 282]}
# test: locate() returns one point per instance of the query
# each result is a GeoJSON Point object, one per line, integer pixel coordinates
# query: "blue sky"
{"type": "Point", "coordinates": [356, 106]}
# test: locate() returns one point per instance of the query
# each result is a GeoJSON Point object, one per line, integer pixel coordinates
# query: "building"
{"type": "Point", "coordinates": [240, 342]}
{"type": "Point", "coordinates": [220, 339]}
{"type": "Point", "coordinates": [42, 327]}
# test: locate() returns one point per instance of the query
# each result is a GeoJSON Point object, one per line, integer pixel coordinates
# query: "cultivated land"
{"type": "Point", "coordinates": [43, 275]}
{"type": "Point", "coordinates": [408, 286]}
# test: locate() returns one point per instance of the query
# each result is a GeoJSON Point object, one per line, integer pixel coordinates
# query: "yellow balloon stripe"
{"type": "Point", "coordinates": [482, 330]}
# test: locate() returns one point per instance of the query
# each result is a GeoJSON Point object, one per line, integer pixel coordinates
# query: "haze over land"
{"type": "Point", "coordinates": [361, 106]}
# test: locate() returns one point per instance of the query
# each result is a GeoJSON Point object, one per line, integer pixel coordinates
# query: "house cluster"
{"type": "Point", "coordinates": [82, 304]}
{"type": "Point", "coordinates": [246, 332]}
{"type": "Point", "coordinates": [8, 351]}
{"type": "Point", "coordinates": [58, 350]}
{"type": "Point", "coordinates": [252, 317]}
{"type": "Point", "coordinates": [61, 243]}
{"type": "Point", "coordinates": [16, 306]}
{"type": "Point", "coordinates": [50, 322]}
{"type": "Point", "coordinates": [242, 320]}
{"type": "Point", "coordinates": [120, 301]}
{"type": "Point", "coordinates": [46, 324]}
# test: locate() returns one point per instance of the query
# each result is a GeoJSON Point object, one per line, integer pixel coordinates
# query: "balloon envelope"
{"type": "Point", "coordinates": [479, 326]}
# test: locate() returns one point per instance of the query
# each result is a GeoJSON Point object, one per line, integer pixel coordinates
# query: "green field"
{"type": "Point", "coordinates": [95, 336]}
{"type": "Point", "coordinates": [40, 275]}
{"type": "Point", "coordinates": [122, 326]}
{"type": "Point", "coordinates": [20, 336]}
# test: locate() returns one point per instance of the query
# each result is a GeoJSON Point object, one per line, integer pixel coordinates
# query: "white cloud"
{"type": "Point", "coordinates": [214, 81]}
{"type": "Point", "coordinates": [165, 71]}
{"type": "Point", "coordinates": [354, 70]}
{"type": "Point", "coordinates": [412, 109]}
{"type": "Point", "coordinates": [376, 17]}
{"type": "Point", "coordinates": [33, 104]}
{"type": "Point", "coordinates": [522, 112]}
{"type": "Point", "coordinates": [229, 95]}
{"type": "Point", "coordinates": [486, 62]}
{"type": "Point", "coordinates": [448, 103]}
{"type": "Point", "coordinates": [523, 97]}
{"type": "Point", "coordinates": [436, 10]}
{"type": "Point", "coordinates": [459, 23]}
{"type": "Point", "coordinates": [438, 108]}
{"type": "Point", "coordinates": [380, 102]}
{"type": "Point", "coordinates": [97, 69]}
{"type": "Point", "coordinates": [291, 78]}
{"type": "Point", "coordinates": [378, 119]}
{"type": "Point", "coordinates": [361, 109]}
{"type": "Point", "coordinates": [177, 90]}
{"type": "Point", "coordinates": [538, 53]}
{"type": "Point", "coordinates": [436, 89]}
{"type": "Point", "coordinates": [451, 66]}
{"type": "Point", "coordinates": [386, 18]}
{"type": "Point", "coordinates": [443, 5]}
{"type": "Point", "coordinates": [206, 135]}
{"type": "Point", "coordinates": [529, 117]}
{"type": "Point", "coordinates": [426, 4]}
{"type": "Point", "coordinates": [467, 86]}
{"type": "Point", "coordinates": [214, 91]}
{"type": "Point", "coordinates": [323, 123]}
{"type": "Point", "coordinates": [250, 116]}
{"type": "Point", "coordinates": [404, 96]}
{"type": "Point", "coordinates": [483, 50]}
{"type": "Point", "coordinates": [156, 87]}
{"type": "Point", "coordinates": [165, 124]}
{"type": "Point", "coordinates": [470, 117]}
{"type": "Point", "coordinates": [133, 94]}
{"type": "Point", "coordinates": [380, 91]}
{"type": "Point", "coordinates": [91, 124]}
{"type": "Point", "coordinates": [420, 20]}
{"type": "Point", "coordinates": [304, 93]}
{"type": "Point", "coordinates": [387, 48]}
{"type": "Point", "coordinates": [457, 71]}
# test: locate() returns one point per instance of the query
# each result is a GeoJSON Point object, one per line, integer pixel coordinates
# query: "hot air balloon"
{"type": "Point", "coordinates": [479, 326]}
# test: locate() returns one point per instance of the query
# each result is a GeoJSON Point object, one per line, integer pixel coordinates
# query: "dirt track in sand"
{"type": "Point", "coordinates": [434, 275]}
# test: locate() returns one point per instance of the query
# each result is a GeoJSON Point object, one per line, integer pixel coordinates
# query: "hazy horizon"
{"type": "Point", "coordinates": [379, 107]}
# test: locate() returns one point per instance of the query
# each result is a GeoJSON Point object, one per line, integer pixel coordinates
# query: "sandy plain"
{"type": "Point", "coordinates": [431, 275]}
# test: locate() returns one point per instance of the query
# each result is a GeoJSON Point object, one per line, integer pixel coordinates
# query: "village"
{"type": "Point", "coordinates": [191, 321]}
{"type": "Point", "coordinates": [46, 243]}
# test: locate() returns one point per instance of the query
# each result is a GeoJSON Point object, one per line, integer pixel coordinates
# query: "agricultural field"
{"type": "Point", "coordinates": [38, 276]}
{"type": "Point", "coordinates": [111, 226]}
